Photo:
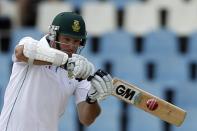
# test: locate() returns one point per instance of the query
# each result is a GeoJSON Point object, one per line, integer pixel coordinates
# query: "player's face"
{"type": "Point", "coordinates": [68, 44]}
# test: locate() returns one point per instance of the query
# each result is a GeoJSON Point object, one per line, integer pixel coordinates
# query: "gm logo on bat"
{"type": "Point", "coordinates": [128, 94]}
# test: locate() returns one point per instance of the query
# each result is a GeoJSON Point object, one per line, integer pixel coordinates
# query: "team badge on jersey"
{"type": "Point", "coordinates": [76, 27]}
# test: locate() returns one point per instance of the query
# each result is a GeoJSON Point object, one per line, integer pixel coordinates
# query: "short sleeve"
{"type": "Point", "coordinates": [81, 91]}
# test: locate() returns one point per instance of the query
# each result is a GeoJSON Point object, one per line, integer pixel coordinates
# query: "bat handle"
{"type": "Point", "coordinates": [78, 79]}
{"type": "Point", "coordinates": [88, 79]}
{"type": "Point", "coordinates": [99, 72]}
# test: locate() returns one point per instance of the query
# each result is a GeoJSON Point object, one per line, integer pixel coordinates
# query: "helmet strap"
{"type": "Point", "coordinates": [57, 45]}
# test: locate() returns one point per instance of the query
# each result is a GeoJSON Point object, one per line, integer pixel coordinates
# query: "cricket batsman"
{"type": "Point", "coordinates": [40, 84]}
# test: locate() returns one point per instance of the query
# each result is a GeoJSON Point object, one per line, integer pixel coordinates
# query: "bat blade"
{"type": "Point", "coordinates": [138, 97]}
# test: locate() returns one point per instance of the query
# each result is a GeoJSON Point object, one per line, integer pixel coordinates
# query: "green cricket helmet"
{"type": "Point", "coordinates": [69, 24]}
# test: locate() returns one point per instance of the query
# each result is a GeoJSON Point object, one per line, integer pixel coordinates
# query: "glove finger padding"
{"type": "Point", "coordinates": [93, 93]}
{"type": "Point", "coordinates": [107, 79]}
{"type": "Point", "coordinates": [79, 68]}
{"type": "Point", "coordinates": [83, 68]}
{"type": "Point", "coordinates": [78, 62]}
{"type": "Point", "coordinates": [97, 85]}
{"type": "Point", "coordinates": [89, 71]}
{"type": "Point", "coordinates": [109, 84]}
{"type": "Point", "coordinates": [102, 83]}
{"type": "Point", "coordinates": [100, 80]}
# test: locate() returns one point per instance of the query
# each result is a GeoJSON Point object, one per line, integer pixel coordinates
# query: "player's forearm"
{"type": "Point", "coordinates": [20, 57]}
{"type": "Point", "coordinates": [88, 112]}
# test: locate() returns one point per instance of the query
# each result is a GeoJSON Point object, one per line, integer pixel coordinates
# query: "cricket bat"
{"type": "Point", "coordinates": [148, 102]}
{"type": "Point", "coordinates": [144, 100]}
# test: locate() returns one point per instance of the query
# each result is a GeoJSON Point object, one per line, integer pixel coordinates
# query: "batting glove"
{"type": "Point", "coordinates": [79, 67]}
{"type": "Point", "coordinates": [101, 87]}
